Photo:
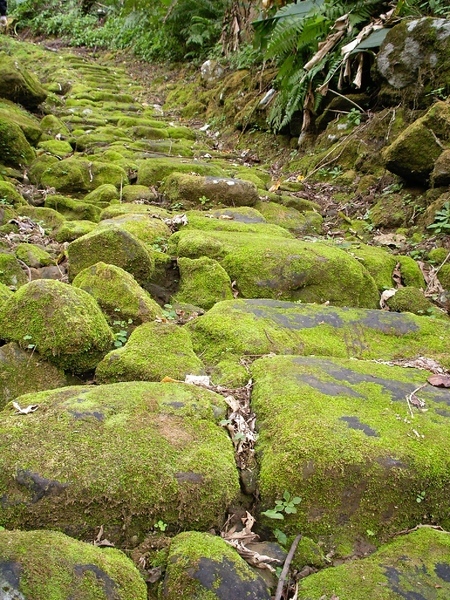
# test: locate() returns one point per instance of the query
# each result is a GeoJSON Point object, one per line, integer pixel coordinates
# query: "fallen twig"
{"type": "Point", "coordinates": [285, 570]}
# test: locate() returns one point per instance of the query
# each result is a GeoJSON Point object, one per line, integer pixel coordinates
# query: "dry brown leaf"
{"type": "Point", "coordinates": [385, 296]}
{"type": "Point", "coordinates": [234, 289]}
{"type": "Point", "coordinates": [439, 380]}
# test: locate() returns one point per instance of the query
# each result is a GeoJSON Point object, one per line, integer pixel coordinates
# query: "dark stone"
{"type": "Point", "coordinates": [109, 585]}
{"type": "Point", "coordinates": [39, 486]}
{"type": "Point", "coordinates": [443, 571]}
{"type": "Point", "coordinates": [355, 423]}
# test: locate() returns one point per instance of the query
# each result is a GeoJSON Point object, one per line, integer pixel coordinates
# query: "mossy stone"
{"type": "Point", "coordinates": [71, 230]}
{"type": "Point", "coordinates": [146, 227]}
{"type": "Point", "coordinates": [26, 121]}
{"type": "Point", "coordinates": [103, 195]}
{"type": "Point", "coordinates": [411, 566]}
{"type": "Point", "coordinates": [50, 219]}
{"type": "Point", "coordinates": [118, 294]}
{"type": "Point", "coordinates": [11, 272]}
{"type": "Point", "coordinates": [203, 282]}
{"type": "Point", "coordinates": [256, 327]}
{"type": "Point", "coordinates": [233, 219]}
{"type": "Point", "coordinates": [153, 172]}
{"type": "Point", "coordinates": [18, 84]}
{"type": "Point", "coordinates": [410, 299]}
{"type": "Point", "coordinates": [72, 208]}
{"type": "Point", "coordinates": [9, 196]}
{"type": "Point", "coordinates": [48, 565]}
{"type": "Point", "coordinates": [65, 176]}
{"type": "Point", "coordinates": [154, 351]}
{"type": "Point", "coordinates": [5, 293]}
{"type": "Point", "coordinates": [14, 148]}
{"type": "Point", "coordinates": [52, 126]}
{"type": "Point", "coordinates": [138, 193]}
{"type": "Point", "coordinates": [125, 455]}
{"type": "Point", "coordinates": [346, 427]}
{"type": "Point", "coordinates": [64, 324]}
{"type": "Point", "coordinates": [114, 246]}
{"type": "Point", "coordinates": [283, 268]}
{"type": "Point", "coordinates": [25, 371]}
{"type": "Point", "coordinates": [205, 567]}
{"type": "Point", "coordinates": [33, 256]}
{"type": "Point", "coordinates": [58, 148]}
{"type": "Point", "coordinates": [290, 218]}
{"type": "Point", "coordinates": [116, 210]}
{"type": "Point", "coordinates": [191, 189]}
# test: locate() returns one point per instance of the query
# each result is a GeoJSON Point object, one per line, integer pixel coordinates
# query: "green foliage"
{"type": "Point", "coordinates": [441, 220]}
{"type": "Point", "coordinates": [286, 505]}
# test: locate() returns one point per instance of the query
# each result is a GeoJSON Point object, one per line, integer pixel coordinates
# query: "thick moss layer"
{"type": "Point", "coordinates": [63, 323]}
{"type": "Point", "coordinates": [47, 565]}
{"type": "Point", "coordinates": [340, 435]}
{"type": "Point", "coordinates": [118, 294]}
{"type": "Point", "coordinates": [152, 172]}
{"type": "Point", "coordinates": [154, 351]}
{"type": "Point", "coordinates": [25, 371]}
{"type": "Point", "coordinates": [191, 190]}
{"type": "Point", "coordinates": [203, 282]}
{"type": "Point", "coordinates": [33, 256]}
{"type": "Point", "coordinates": [205, 567]}
{"type": "Point", "coordinates": [11, 272]}
{"type": "Point", "coordinates": [413, 566]}
{"type": "Point", "coordinates": [124, 455]}
{"type": "Point", "coordinates": [256, 327]}
{"type": "Point", "coordinates": [282, 268]}
{"type": "Point", "coordinates": [112, 245]}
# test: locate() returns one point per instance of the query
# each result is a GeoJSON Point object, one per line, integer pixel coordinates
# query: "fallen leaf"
{"type": "Point", "coordinates": [397, 276]}
{"type": "Point", "coordinates": [439, 380]}
{"type": "Point", "coordinates": [385, 296]}
{"type": "Point", "coordinates": [198, 380]}
{"type": "Point", "coordinates": [234, 289]}
{"type": "Point", "coordinates": [169, 380]}
{"type": "Point", "coordinates": [25, 411]}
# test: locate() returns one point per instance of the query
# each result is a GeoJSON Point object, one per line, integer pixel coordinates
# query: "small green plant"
{"type": "Point", "coordinates": [120, 338]}
{"type": "Point", "coordinates": [161, 525]}
{"type": "Point", "coordinates": [169, 312]}
{"type": "Point", "coordinates": [280, 536]}
{"type": "Point", "coordinates": [354, 117]}
{"type": "Point", "coordinates": [441, 222]}
{"type": "Point", "coordinates": [160, 244]}
{"type": "Point", "coordinates": [204, 201]}
{"type": "Point", "coordinates": [327, 172]}
{"type": "Point", "coordinates": [286, 505]}
{"type": "Point", "coordinates": [420, 497]}
{"type": "Point", "coordinates": [370, 533]}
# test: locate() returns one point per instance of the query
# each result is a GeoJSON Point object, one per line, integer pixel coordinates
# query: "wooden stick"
{"type": "Point", "coordinates": [285, 570]}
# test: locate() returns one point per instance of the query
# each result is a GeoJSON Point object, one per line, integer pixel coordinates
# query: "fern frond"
{"type": "Point", "coordinates": [284, 38]}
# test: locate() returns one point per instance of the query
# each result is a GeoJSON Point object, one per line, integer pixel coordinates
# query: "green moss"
{"type": "Point", "coordinates": [205, 567]}
{"type": "Point", "coordinates": [71, 230]}
{"type": "Point", "coordinates": [123, 208]}
{"type": "Point", "coordinates": [125, 455]}
{"type": "Point", "coordinates": [57, 148]}
{"type": "Point", "coordinates": [41, 375]}
{"type": "Point", "coordinates": [103, 195]}
{"type": "Point", "coordinates": [338, 433]}
{"type": "Point", "coordinates": [52, 126]}
{"type": "Point", "coordinates": [203, 282]}
{"type": "Point", "coordinates": [33, 256]}
{"type": "Point", "coordinates": [258, 327]}
{"type": "Point", "coordinates": [14, 147]}
{"type": "Point", "coordinates": [10, 196]}
{"type": "Point", "coordinates": [49, 219]}
{"type": "Point", "coordinates": [410, 299]}
{"type": "Point", "coordinates": [243, 218]}
{"type": "Point", "coordinates": [18, 84]}
{"type": "Point", "coordinates": [54, 566]}
{"type": "Point", "coordinates": [27, 122]}
{"type": "Point", "coordinates": [398, 570]}
{"type": "Point", "coordinates": [118, 294]}
{"type": "Point", "coordinates": [11, 273]}
{"type": "Point", "coordinates": [63, 323]}
{"type": "Point", "coordinates": [114, 246]}
{"type": "Point", "coordinates": [154, 351]}
{"type": "Point", "coordinates": [152, 172]}
{"type": "Point", "coordinates": [5, 293]}
{"type": "Point", "coordinates": [290, 218]}
{"type": "Point", "coordinates": [309, 553]}
{"type": "Point", "coordinates": [73, 209]}
{"type": "Point", "coordinates": [148, 227]}
{"type": "Point", "coordinates": [137, 193]}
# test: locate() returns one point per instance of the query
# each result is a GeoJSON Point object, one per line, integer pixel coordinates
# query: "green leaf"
{"type": "Point", "coordinates": [273, 514]}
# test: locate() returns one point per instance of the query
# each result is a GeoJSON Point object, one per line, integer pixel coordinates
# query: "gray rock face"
{"type": "Point", "coordinates": [415, 58]}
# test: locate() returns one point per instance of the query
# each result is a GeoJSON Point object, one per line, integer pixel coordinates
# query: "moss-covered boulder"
{"type": "Point", "coordinates": [147, 227]}
{"type": "Point", "coordinates": [18, 84]}
{"type": "Point", "coordinates": [414, 152]}
{"type": "Point", "coordinates": [118, 294]}
{"type": "Point", "coordinates": [138, 193]}
{"type": "Point", "coordinates": [244, 218]}
{"type": "Point", "coordinates": [300, 223]}
{"type": "Point", "coordinates": [50, 219]}
{"type": "Point", "coordinates": [75, 175]}
{"type": "Point", "coordinates": [203, 282]}
{"type": "Point", "coordinates": [10, 196]}
{"type": "Point", "coordinates": [28, 123]}
{"type": "Point", "coordinates": [11, 272]}
{"type": "Point", "coordinates": [413, 61]}
{"type": "Point", "coordinates": [238, 327]}
{"type": "Point", "coordinates": [15, 150]}
{"type": "Point", "coordinates": [5, 293]}
{"type": "Point", "coordinates": [52, 126]}
{"type": "Point", "coordinates": [72, 208]}
{"type": "Point", "coordinates": [441, 170]}
{"type": "Point", "coordinates": [63, 323]}
{"type": "Point", "coordinates": [124, 455]}
{"type": "Point", "coordinates": [103, 195]}
{"type": "Point", "coordinates": [71, 230]}
{"type": "Point", "coordinates": [48, 565]}
{"type": "Point", "coordinates": [153, 172]}
{"type": "Point", "coordinates": [198, 190]}
{"type": "Point", "coordinates": [284, 268]}
{"type": "Point", "coordinates": [154, 351]}
{"type": "Point", "coordinates": [58, 148]}
{"type": "Point", "coordinates": [33, 256]}
{"type": "Point", "coordinates": [112, 245]}
{"type": "Point", "coordinates": [415, 566]}
{"type": "Point", "coordinates": [205, 567]}
{"type": "Point", "coordinates": [362, 454]}
{"type": "Point", "coordinates": [410, 299]}
{"type": "Point", "coordinates": [25, 371]}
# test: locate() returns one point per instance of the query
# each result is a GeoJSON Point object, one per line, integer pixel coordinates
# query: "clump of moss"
{"type": "Point", "coordinates": [154, 351]}
{"type": "Point", "coordinates": [410, 299]}
{"type": "Point", "coordinates": [57, 567]}
{"type": "Point", "coordinates": [11, 272]}
{"type": "Point", "coordinates": [63, 323]}
{"type": "Point", "coordinates": [33, 256]}
{"type": "Point", "coordinates": [203, 282]}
